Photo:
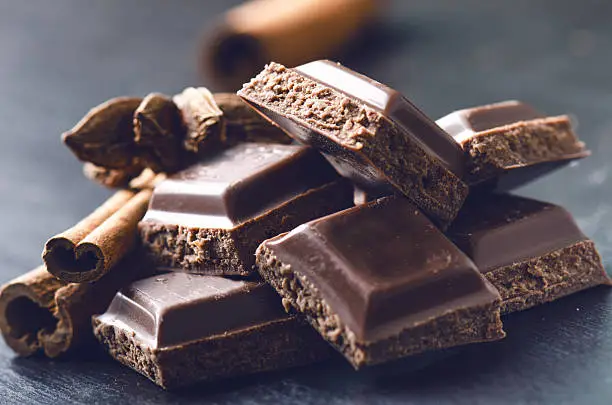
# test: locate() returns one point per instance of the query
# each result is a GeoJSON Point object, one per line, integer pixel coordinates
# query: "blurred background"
{"type": "Point", "coordinates": [60, 58]}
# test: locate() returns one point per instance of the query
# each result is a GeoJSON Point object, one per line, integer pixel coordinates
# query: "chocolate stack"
{"type": "Point", "coordinates": [235, 250]}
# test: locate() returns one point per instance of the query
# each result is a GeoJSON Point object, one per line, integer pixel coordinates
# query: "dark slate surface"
{"type": "Point", "coordinates": [57, 59]}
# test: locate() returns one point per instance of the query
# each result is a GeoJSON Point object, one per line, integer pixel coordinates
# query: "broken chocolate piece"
{"type": "Point", "coordinates": [501, 137]}
{"type": "Point", "coordinates": [370, 131]}
{"type": "Point", "coordinates": [178, 329]}
{"type": "Point", "coordinates": [379, 281]}
{"type": "Point", "coordinates": [532, 252]}
{"type": "Point", "coordinates": [211, 217]}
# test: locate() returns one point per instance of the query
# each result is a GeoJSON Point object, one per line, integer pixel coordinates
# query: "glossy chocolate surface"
{"type": "Point", "coordinates": [500, 229]}
{"type": "Point", "coordinates": [392, 105]}
{"type": "Point", "coordinates": [463, 124]}
{"type": "Point", "coordinates": [238, 184]}
{"type": "Point", "coordinates": [382, 267]}
{"type": "Point", "coordinates": [176, 308]}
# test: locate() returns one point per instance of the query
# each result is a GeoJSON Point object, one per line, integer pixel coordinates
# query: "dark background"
{"type": "Point", "coordinates": [59, 58]}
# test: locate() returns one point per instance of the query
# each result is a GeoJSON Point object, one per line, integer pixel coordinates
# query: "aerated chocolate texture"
{"type": "Point", "coordinates": [500, 138]}
{"type": "Point", "coordinates": [211, 217]}
{"type": "Point", "coordinates": [177, 329]}
{"type": "Point", "coordinates": [532, 252]}
{"type": "Point", "coordinates": [371, 132]}
{"type": "Point", "coordinates": [380, 281]}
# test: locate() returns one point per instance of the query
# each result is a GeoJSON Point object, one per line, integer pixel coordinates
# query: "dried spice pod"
{"type": "Point", "coordinates": [202, 118]}
{"type": "Point", "coordinates": [105, 136]}
{"type": "Point", "coordinates": [243, 124]}
{"type": "Point", "coordinates": [159, 132]}
{"type": "Point", "coordinates": [123, 137]}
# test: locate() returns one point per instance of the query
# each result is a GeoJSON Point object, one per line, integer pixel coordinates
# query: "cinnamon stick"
{"type": "Point", "coordinates": [88, 251]}
{"type": "Point", "coordinates": [111, 178]}
{"type": "Point", "coordinates": [290, 32]}
{"type": "Point", "coordinates": [42, 314]}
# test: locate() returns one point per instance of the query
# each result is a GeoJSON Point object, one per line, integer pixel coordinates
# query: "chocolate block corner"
{"type": "Point", "coordinates": [369, 131]}
{"type": "Point", "coordinates": [211, 217]}
{"type": "Point", "coordinates": [178, 329]}
{"type": "Point", "coordinates": [379, 281]}
{"type": "Point", "coordinates": [513, 141]}
{"type": "Point", "coordinates": [531, 251]}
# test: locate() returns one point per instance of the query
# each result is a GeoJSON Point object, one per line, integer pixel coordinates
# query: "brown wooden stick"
{"type": "Point", "coordinates": [88, 251]}
{"type": "Point", "coordinates": [39, 313]}
{"type": "Point", "coordinates": [111, 178]}
{"type": "Point", "coordinates": [110, 242]}
{"type": "Point", "coordinates": [290, 32]}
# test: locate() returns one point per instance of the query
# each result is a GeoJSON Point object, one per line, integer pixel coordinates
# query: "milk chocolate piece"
{"type": "Point", "coordinates": [370, 131]}
{"type": "Point", "coordinates": [211, 217]}
{"type": "Point", "coordinates": [379, 281]}
{"type": "Point", "coordinates": [177, 329]}
{"type": "Point", "coordinates": [499, 138]}
{"type": "Point", "coordinates": [532, 252]}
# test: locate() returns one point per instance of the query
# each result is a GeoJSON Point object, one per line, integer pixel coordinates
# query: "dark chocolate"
{"type": "Point", "coordinates": [371, 132]}
{"type": "Point", "coordinates": [379, 281]}
{"type": "Point", "coordinates": [178, 328]}
{"type": "Point", "coordinates": [532, 251]}
{"type": "Point", "coordinates": [391, 104]}
{"type": "Point", "coordinates": [500, 138]}
{"type": "Point", "coordinates": [217, 211]}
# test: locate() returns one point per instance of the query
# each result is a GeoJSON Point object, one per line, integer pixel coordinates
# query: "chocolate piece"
{"type": "Point", "coordinates": [211, 217]}
{"type": "Point", "coordinates": [178, 329]}
{"type": "Point", "coordinates": [532, 252]}
{"type": "Point", "coordinates": [501, 137]}
{"type": "Point", "coordinates": [371, 132]}
{"type": "Point", "coordinates": [363, 195]}
{"type": "Point", "coordinates": [379, 281]}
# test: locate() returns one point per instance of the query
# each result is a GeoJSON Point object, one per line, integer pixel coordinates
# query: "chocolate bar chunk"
{"type": "Point", "coordinates": [370, 131]}
{"type": "Point", "coordinates": [379, 281]}
{"type": "Point", "coordinates": [211, 217]}
{"type": "Point", "coordinates": [500, 137]}
{"type": "Point", "coordinates": [532, 252]}
{"type": "Point", "coordinates": [177, 329]}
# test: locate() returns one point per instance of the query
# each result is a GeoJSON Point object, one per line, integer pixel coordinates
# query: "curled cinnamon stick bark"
{"type": "Point", "coordinates": [88, 251]}
{"type": "Point", "coordinates": [291, 32]}
{"type": "Point", "coordinates": [40, 313]}
{"type": "Point", "coordinates": [111, 178]}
